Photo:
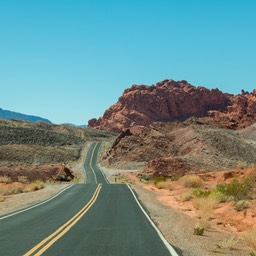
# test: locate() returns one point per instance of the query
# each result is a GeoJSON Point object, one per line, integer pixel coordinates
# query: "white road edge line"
{"type": "Point", "coordinates": [36, 205]}
{"type": "Point", "coordinates": [168, 246]}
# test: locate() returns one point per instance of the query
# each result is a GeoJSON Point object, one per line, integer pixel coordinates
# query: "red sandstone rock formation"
{"type": "Point", "coordinates": [170, 100]}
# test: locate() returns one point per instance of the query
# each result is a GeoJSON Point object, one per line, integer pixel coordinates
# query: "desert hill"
{"type": "Point", "coordinates": [34, 149]}
{"type": "Point", "coordinates": [169, 100]}
{"type": "Point", "coordinates": [182, 147]}
{"type": "Point", "coordinates": [7, 114]}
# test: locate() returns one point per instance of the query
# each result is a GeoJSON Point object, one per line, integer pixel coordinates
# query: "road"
{"type": "Point", "coordinates": [94, 219]}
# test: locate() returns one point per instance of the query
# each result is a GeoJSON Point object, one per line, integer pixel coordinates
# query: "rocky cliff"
{"type": "Point", "coordinates": [169, 100]}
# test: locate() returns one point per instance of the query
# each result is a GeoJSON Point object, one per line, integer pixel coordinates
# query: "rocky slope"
{"type": "Point", "coordinates": [7, 114]}
{"type": "Point", "coordinates": [42, 143]}
{"type": "Point", "coordinates": [177, 148]}
{"type": "Point", "coordinates": [40, 149]}
{"type": "Point", "coordinates": [170, 100]}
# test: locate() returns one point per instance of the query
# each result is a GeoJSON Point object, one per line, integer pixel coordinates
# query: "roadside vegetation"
{"type": "Point", "coordinates": [212, 199]}
{"type": "Point", "coordinates": [23, 185]}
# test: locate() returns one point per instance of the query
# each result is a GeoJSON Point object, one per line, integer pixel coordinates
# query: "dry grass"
{"type": "Point", "coordinates": [204, 222]}
{"type": "Point", "coordinates": [5, 179]}
{"type": "Point", "coordinates": [33, 186]}
{"type": "Point", "coordinates": [164, 185]}
{"type": "Point", "coordinates": [186, 196]}
{"type": "Point", "coordinates": [228, 243]}
{"type": "Point", "coordinates": [250, 238]}
{"type": "Point", "coordinates": [17, 187]}
{"type": "Point", "coordinates": [205, 207]}
{"type": "Point", "coordinates": [2, 198]}
{"type": "Point", "coordinates": [12, 188]}
{"type": "Point", "coordinates": [23, 179]}
{"type": "Point", "coordinates": [204, 203]}
{"type": "Point", "coordinates": [191, 181]}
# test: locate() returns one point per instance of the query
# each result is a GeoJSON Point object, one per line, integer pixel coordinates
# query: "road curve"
{"type": "Point", "coordinates": [93, 173]}
{"type": "Point", "coordinates": [95, 219]}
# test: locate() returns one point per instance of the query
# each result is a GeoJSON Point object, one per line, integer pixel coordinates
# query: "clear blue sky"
{"type": "Point", "coordinates": [69, 60]}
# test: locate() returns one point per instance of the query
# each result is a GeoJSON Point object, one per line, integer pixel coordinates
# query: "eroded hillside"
{"type": "Point", "coordinates": [179, 148]}
{"type": "Point", "coordinates": [40, 150]}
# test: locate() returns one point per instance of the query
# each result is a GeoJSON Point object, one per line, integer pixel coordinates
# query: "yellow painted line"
{"type": "Point", "coordinates": [95, 177]}
{"type": "Point", "coordinates": [64, 228]}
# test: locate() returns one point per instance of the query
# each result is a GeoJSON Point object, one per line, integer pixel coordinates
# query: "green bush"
{"type": "Point", "coordinates": [235, 189]}
{"type": "Point", "coordinates": [199, 231]}
{"type": "Point", "coordinates": [198, 192]}
{"type": "Point", "coordinates": [218, 195]}
{"type": "Point", "coordinates": [159, 179]}
{"type": "Point", "coordinates": [175, 177]}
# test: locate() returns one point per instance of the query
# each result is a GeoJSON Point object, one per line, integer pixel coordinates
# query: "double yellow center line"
{"type": "Point", "coordinates": [51, 239]}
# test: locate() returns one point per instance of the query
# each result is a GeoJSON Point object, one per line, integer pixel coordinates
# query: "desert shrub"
{"type": "Point", "coordinates": [198, 230]}
{"type": "Point", "coordinates": [175, 177]}
{"type": "Point", "coordinates": [235, 189]}
{"type": "Point", "coordinates": [186, 196]}
{"type": "Point", "coordinates": [23, 179]}
{"type": "Point", "coordinates": [205, 207]}
{"type": "Point", "coordinates": [205, 203]}
{"type": "Point", "coordinates": [18, 189]}
{"type": "Point", "coordinates": [12, 188]}
{"type": "Point", "coordinates": [238, 190]}
{"type": "Point", "coordinates": [205, 222]}
{"type": "Point", "coordinates": [250, 238]}
{"type": "Point", "coordinates": [217, 195]}
{"type": "Point", "coordinates": [221, 188]}
{"type": "Point", "coordinates": [242, 205]}
{"type": "Point", "coordinates": [5, 179]}
{"type": "Point", "coordinates": [160, 184]}
{"type": "Point", "coordinates": [164, 185]}
{"type": "Point", "coordinates": [36, 185]}
{"type": "Point", "coordinates": [159, 178]}
{"type": "Point", "coordinates": [192, 181]}
{"type": "Point", "coordinates": [199, 192]}
{"type": "Point", "coordinates": [69, 178]}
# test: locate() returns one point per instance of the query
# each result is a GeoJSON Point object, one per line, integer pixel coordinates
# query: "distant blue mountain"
{"type": "Point", "coordinates": [7, 114]}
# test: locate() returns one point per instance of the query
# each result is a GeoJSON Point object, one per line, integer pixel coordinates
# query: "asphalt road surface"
{"type": "Point", "coordinates": [94, 219]}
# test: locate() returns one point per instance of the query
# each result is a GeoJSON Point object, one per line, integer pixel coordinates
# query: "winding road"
{"type": "Point", "coordinates": [94, 219]}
